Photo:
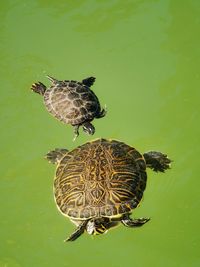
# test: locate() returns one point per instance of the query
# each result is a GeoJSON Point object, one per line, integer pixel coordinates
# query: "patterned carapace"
{"type": "Point", "coordinates": [101, 178]}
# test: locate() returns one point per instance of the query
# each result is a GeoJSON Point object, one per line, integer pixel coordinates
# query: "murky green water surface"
{"type": "Point", "coordinates": [145, 55]}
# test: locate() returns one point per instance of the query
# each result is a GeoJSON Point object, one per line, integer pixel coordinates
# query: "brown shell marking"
{"type": "Point", "coordinates": [101, 178]}
{"type": "Point", "coordinates": [71, 102]}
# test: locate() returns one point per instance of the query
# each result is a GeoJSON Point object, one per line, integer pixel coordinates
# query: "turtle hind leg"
{"type": "Point", "coordinates": [39, 88]}
{"type": "Point", "coordinates": [55, 156]}
{"type": "Point", "coordinates": [78, 232]}
{"type": "Point", "coordinates": [157, 161]}
{"type": "Point", "coordinates": [128, 222]}
{"type": "Point", "coordinates": [89, 81]}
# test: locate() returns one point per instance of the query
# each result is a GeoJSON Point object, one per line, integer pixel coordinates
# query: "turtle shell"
{"type": "Point", "coordinates": [102, 178]}
{"type": "Point", "coordinates": [71, 102]}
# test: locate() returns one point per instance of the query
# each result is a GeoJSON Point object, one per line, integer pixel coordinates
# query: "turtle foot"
{"type": "Point", "coordinates": [39, 88]}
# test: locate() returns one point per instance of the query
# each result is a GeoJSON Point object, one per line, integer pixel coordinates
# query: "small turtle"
{"type": "Point", "coordinates": [98, 184]}
{"type": "Point", "coordinates": [72, 102]}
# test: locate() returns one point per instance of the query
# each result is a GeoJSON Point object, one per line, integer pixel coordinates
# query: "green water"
{"type": "Point", "coordinates": [145, 55]}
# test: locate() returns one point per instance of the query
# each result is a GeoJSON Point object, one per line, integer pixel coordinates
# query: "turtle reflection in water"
{"type": "Point", "coordinates": [72, 102]}
{"type": "Point", "coordinates": [98, 184]}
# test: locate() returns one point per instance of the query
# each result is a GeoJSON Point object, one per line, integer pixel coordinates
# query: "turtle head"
{"type": "Point", "coordinates": [88, 128]}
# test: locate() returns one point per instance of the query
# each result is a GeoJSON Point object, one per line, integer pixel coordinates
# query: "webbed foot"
{"type": "Point", "coordinates": [157, 161]}
{"type": "Point", "coordinates": [39, 88]}
{"type": "Point", "coordinates": [128, 222]}
{"type": "Point", "coordinates": [54, 156]}
{"type": "Point", "coordinates": [78, 232]}
{"type": "Point", "coordinates": [88, 128]}
{"type": "Point", "coordinates": [89, 81]}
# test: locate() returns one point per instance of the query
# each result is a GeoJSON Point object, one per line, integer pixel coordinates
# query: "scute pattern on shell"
{"type": "Point", "coordinates": [101, 178]}
{"type": "Point", "coordinates": [71, 102]}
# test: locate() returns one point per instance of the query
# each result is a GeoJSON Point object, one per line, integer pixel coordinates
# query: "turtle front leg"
{"type": "Point", "coordinates": [76, 132]}
{"type": "Point", "coordinates": [78, 232]}
{"type": "Point", "coordinates": [128, 222]}
{"type": "Point", "coordinates": [157, 161]}
{"type": "Point", "coordinates": [54, 156]}
{"type": "Point", "coordinates": [39, 88]}
{"type": "Point", "coordinates": [102, 113]}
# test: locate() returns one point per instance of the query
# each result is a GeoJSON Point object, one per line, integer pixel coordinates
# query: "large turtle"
{"type": "Point", "coordinates": [71, 102]}
{"type": "Point", "coordinates": [98, 184]}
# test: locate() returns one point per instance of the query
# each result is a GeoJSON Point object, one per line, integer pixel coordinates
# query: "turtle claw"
{"type": "Point", "coordinates": [76, 132]}
{"type": "Point", "coordinates": [53, 80]}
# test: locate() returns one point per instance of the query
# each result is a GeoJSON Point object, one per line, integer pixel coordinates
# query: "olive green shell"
{"type": "Point", "coordinates": [71, 102]}
{"type": "Point", "coordinates": [102, 178]}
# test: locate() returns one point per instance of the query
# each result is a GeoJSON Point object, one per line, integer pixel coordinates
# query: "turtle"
{"type": "Point", "coordinates": [98, 184]}
{"type": "Point", "coordinates": [72, 102]}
